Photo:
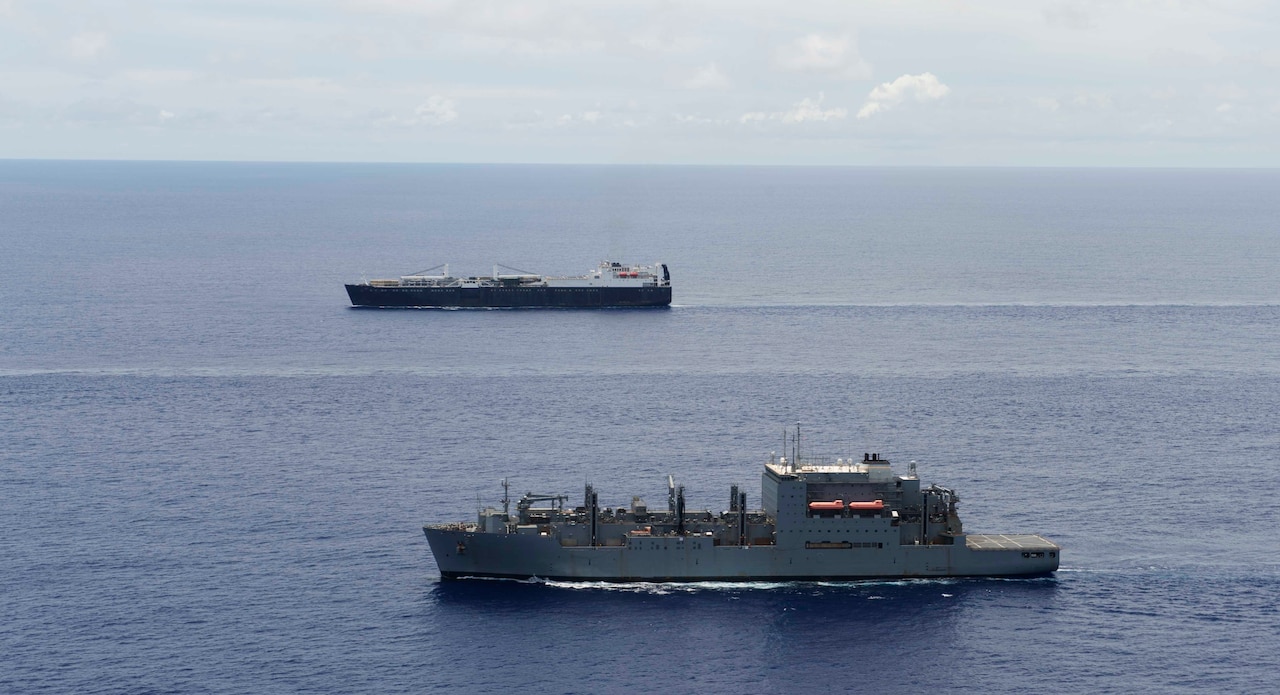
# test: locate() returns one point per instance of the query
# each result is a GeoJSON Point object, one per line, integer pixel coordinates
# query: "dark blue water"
{"type": "Point", "coordinates": [214, 472]}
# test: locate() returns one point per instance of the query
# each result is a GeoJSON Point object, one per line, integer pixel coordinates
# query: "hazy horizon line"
{"type": "Point", "coordinates": [691, 165]}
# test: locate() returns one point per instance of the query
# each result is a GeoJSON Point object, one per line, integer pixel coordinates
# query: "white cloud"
{"type": "Point", "coordinates": [1096, 101]}
{"type": "Point", "coordinates": [1060, 80]}
{"type": "Point", "coordinates": [86, 45]}
{"type": "Point", "coordinates": [697, 120]}
{"type": "Point", "coordinates": [165, 115]}
{"type": "Point", "coordinates": [1045, 104]}
{"type": "Point", "coordinates": [708, 77]}
{"type": "Point", "coordinates": [436, 110]}
{"type": "Point", "coordinates": [831, 56]}
{"type": "Point", "coordinates": [538, 120]}
{"type": "Point", "coordinates": [1068, 16]}
{"type": "Point", "coordinates": [806, 110]}
{"type": "Point", "coordinates": [588, 117]}
{"type": "Point", "coordinates": [924, 87]}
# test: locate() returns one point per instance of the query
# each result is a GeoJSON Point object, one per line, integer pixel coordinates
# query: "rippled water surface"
{"type": "Point", "coordinates": [215, 472]}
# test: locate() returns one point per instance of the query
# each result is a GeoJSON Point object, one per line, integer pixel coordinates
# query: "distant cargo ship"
{"type": "Point", "coordinates": [820, 520]}
{"type": "Point", "coordinates": [611, 285]}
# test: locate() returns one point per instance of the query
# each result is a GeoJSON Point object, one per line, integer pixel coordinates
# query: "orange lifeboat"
{"type": "Point", "coordinates": [835, 506]}
{"type": "Point", "coordinates": [867, 506]}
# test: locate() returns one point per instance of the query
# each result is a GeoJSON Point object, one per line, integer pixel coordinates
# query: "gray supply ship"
{"type": "Point", "coordinates": [610, 285]}
{"type": "Point", "coordinates": [821, 520]}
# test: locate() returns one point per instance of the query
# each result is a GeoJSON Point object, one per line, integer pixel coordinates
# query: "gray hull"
{"type": "Point", "coordinates": [461, 553]}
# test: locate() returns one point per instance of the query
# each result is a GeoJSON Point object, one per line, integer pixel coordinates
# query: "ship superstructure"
{"type": "Point", "coordinates": [819, 520]}
{"type": "Point", "coordinates": [611, 284]}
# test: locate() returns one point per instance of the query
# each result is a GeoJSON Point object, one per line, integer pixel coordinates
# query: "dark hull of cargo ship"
{"type": "Point", "coordinates": [509, 297]}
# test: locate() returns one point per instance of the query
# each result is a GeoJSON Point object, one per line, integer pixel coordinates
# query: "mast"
{"type": "Point", "coordinates": [798, 442]}
{"type": "Point", "coordinates": [592, 503]}
{"type": "Point", "coordinates": [680, 511]}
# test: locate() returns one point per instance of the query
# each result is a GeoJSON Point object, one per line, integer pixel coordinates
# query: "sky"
{"type": "Point", "coordinates": [989, 83]}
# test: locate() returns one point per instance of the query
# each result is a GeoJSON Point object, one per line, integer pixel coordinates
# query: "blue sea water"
{"type": "Point", "coordinates": [214, 472]}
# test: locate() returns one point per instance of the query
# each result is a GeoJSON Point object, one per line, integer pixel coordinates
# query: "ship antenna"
{"type": "Point", "coordinates": [506, 498]}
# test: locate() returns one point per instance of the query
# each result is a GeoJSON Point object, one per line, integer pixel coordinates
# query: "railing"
{"type": "Point", "coordinates": [838, 461]}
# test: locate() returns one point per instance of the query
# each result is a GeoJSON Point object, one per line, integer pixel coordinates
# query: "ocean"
{"type": "Point", "coordinates": [215, 471]}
